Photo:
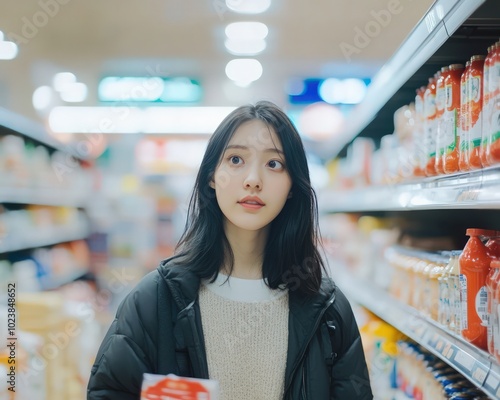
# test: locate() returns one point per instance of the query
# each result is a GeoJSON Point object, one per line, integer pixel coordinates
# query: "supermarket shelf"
{"type": "Point", "coordinates": [56, 283]}
{"type": "Point", "coordinates": [431, 32]}
{"type": "Point", "coordinates": [476, 365]}
{"type": "Point", "coordinates": [34, 130]}
{"type": "Point", "coordinates": [45, 196]}
{"type": "Point", "coordinates": [47, 238]}
{"type": "Point", "coordinates": [471, 190]}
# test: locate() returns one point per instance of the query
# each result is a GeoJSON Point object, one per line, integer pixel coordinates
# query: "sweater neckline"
{"type": "Point", "coordinates": [243, 290]}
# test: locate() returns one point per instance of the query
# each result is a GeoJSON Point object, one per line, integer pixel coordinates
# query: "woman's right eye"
{"type": "Point", "coordinates": [235, 160]}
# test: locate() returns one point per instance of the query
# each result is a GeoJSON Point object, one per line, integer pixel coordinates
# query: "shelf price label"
{"type": "Point", "coordinates": [479, 373]}
{"type": "Point", "coordinates": [492, 384]}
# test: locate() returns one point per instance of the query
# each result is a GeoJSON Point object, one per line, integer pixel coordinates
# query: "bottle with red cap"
{"type": "Point", "coordinates": [474, 268]}
{"type": "Point", "coordinates": [430, 126]}
{"type": "Point", "coordinates": [475, 88]}
{"type": "Point", "coordinates": [463, 161]}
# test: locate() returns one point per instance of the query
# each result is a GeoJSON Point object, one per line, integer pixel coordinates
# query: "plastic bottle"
{"type": "Point", "coordinates": [475, 84]}
{"type": "Point", "coordinates": [487, 105]}
{"type": "Point", "coordinates": [420, 151]}
{"type": "Point", "coordinates": [440, 121]}
{"type": "Point", "coordinates": [474, 267]}
{"type": "Point", "coordinates": [491, 286]}
{"type": "Point", "coordinates": [451, 136]}
{"type": "Point", "coordinates": [454, 292]}
{"type": "Point", "coordinates": [495, 310]}
{"type": "Point", "coordinates": [493, 144]}
{"type": "Point", "coordinates": [463, 160]}
{"type": "Point", "coordinates": [430, 126]}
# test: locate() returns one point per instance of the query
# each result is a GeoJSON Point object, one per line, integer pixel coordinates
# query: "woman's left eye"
{"type": "Point", "coordinates": [275, 164]}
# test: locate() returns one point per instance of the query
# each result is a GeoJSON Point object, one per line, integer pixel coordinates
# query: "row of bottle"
{"type": "Point", "coordinates": [457, 125]}
{"type": "Point", "coordinates": [458, 289]}
{"type": "Point", "coordinates": [421, 375]}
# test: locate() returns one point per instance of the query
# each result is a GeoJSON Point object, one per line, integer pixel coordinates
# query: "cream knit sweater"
{"type": "Point", "coordinates": [245, 325]}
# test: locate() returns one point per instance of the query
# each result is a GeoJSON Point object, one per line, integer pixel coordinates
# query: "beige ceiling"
{"type": "Point", "coordinates": [92, 38]}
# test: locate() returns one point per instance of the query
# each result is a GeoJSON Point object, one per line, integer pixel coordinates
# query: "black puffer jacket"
{"type": "Point", "coordinates": [158, 329]}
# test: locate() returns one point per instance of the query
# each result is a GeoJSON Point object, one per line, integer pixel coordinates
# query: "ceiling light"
{"type": "Point", "coordinates": [244, 70]}
{"type": "Point", "coordinates": [42, 97]}
{"type": "Point", "coordinates": [8, 50]}
{"type": "Point", "coordinates": [248, 6]}
{"type": "Point", "coordinates": [246, 30]}
{"type": "Point", "coordinates": [245, 47]}
{"type": "Point", "coordinates": [76, 93]}
{"type": "Point", "coordinates": [63, 80]}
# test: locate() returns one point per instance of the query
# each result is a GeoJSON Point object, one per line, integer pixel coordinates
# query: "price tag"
{"type": "Point", "coordinates": [479, 373]}
{"type": "Point", "coordinates": [439, 345]}
{"type": "Point", "coordinates": [492, 382]}
{"type": "Point", "coordinates": [467, 195]}
{"type": "Point", "coordinates": [447, 351]}
{"type": "Point", "coordinates": [464, 360]}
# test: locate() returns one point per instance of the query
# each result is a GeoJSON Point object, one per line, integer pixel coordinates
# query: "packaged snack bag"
{"type": "Point", "coordinates": [173, 387]}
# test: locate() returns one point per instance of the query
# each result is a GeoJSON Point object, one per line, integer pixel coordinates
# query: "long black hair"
{"type": "Point", "coordinates": [291, 258]}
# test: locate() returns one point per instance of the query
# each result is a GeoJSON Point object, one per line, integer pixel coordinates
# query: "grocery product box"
{"type": "Point", "coordinates": [173, 387]}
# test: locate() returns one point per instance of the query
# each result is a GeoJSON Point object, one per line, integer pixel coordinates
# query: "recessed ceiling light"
{"type": "Point", "coordinates": [244, 70]}
{"type": "Point", "coordinates": [8, 50]}
{"type": "Point", "coordinates": [247, 30]}
{"type": "Point", "coordinates": [248, 6]}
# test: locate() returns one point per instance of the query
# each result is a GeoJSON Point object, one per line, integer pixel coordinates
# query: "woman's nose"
{"type": "Point", "coordinates": [253, 179]}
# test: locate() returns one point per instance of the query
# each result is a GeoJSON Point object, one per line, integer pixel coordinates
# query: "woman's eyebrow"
{"type": "Point", "coordinates": [242, 147]}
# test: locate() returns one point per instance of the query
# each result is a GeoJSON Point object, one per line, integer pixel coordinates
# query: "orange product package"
{"type": "Point", "coordinates": [475, 83]}
{"type": "Point", "coordinates": [474, 268]}
{"type": "Point", "coordinates": [450, 136]}
{"type": "Point", "coordinates": [488, 72]}
{"type": "Point", "coordinates": [463, 156]}
{"type": "Point", "coordinates": [440, 127]}
{"type": "Point", "coordinates": [430, 126]}
{"type": "Point", "coordinates": [493, 145]}
{"type": "Point", "coordinates": [173, 387]}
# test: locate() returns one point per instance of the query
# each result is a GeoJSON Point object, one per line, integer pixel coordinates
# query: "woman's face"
{"type": "Point", "coordinates": [251, 181]}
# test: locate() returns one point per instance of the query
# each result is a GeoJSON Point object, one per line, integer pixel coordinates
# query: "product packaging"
{"type": "Point", "coordinates": [173, 387]}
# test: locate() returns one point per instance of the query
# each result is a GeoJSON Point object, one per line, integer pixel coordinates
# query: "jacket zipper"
{"type": "Point", "coordinates": [316, 324]}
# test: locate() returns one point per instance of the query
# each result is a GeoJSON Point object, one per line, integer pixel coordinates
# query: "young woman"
{"type": "Point", "coordinates": [245, 300]}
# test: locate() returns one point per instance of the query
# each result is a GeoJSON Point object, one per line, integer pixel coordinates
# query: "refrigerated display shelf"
{"type": "Point", "coordinates": [43, 238]}
{"type": "Point", "coordinates": [439, 23]}
{"type": "Point", "coordinates": [45, 196]}
{"type": "Point", "coordinates": [474, 364]}
{"type": "Point", "coordinates": [470, 190]}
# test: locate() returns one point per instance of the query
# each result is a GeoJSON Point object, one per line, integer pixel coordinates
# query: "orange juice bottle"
{"type": "Point", "coordinates": [440, 127]}
{"type": "Point", "coordinates": [430, 126]}
{"type": "Point", "coordinates": [451, 137]}
{"type": "Point", "coordinates": [493, 143]}
{"type": "Point", "coordinates": [474, 268]}
{"type": "Point", "coordinates": [475, 84]}
{"type": "Point", "coordinates": [491, 284]}
{"type": "Point", "coordinates": [495, 312]}
{"type": "Point", "coordinates": [487, 104]}
{"type": "Point", "coordinates": [463, 159]}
